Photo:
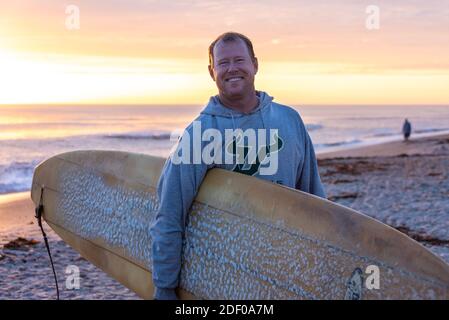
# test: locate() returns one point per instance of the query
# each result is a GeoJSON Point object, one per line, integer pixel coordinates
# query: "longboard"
{"type": "Point", "coordinates": [245, 238]}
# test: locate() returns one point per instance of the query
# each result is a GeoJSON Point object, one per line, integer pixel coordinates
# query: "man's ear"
{"type": "Point", "coordinates": [256, 65]}
{"type": "Point", "coordinates": [211, 72]}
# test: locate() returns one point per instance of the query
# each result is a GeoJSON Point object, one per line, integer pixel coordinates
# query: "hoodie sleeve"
{"type": "Point", "coordinates": [308, 179]}
{"type": "Point", "coordinates": [177, 187]}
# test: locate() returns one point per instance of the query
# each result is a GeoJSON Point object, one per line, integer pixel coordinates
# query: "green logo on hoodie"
{"type": "Point", "coordinates": [242, 151]}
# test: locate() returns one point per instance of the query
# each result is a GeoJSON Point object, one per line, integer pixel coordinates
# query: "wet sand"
{"type": "Point", "coordinates": [423, 146]}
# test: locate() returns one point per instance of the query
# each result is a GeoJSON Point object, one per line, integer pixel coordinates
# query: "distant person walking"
{"type": "Point", "coordinates": [406, 129]}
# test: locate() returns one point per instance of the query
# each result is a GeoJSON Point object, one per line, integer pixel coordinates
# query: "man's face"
{"type": "Point", "coordinates": [233, 69]}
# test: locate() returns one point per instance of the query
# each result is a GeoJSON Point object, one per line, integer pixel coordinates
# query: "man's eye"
{"type": "Point", "coordinates": [222, 63]}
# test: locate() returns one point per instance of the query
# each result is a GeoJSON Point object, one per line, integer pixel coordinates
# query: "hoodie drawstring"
{"type": "Point", "coordinates": [267, 134]}
{"type": "Point", "coordinates": [233, 121]}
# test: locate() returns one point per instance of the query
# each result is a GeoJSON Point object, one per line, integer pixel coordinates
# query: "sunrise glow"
{"type": "Point", "coordinates": [154, 52]}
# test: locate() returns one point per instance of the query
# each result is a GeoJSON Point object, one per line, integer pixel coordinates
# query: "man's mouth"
{"type": "Point", "coordinates": [233, 79]}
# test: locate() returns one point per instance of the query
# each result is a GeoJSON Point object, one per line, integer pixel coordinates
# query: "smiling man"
{"type": "Point", "coordinates": [248, 115]}
{"type": "Point", "coordinates": [233, 67]}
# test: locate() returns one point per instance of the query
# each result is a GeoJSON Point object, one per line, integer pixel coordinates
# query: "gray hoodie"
{"type": "Point", "coordinates": [179, 183]}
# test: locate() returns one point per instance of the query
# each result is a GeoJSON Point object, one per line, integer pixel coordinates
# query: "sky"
{"type": "Point", "coordinates": [155, 52]}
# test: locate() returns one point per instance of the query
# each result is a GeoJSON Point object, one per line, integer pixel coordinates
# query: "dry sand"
{"type": "Point", "coordinates": [403, 184]}
{"type": "Point", "coordinates": [423, 146]}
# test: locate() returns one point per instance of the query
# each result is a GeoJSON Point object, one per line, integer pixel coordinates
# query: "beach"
{"type": "Point", "coordinates": [402, 184]}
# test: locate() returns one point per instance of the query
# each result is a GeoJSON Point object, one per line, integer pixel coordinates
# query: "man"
{"type": "Point", "coordinates": [238, 106]}
{"type": "Point", "coordinates": [406, 129]}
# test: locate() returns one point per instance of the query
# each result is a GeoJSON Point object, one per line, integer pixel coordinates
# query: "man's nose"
{"type": "Point", "coordinates": [232, 66]}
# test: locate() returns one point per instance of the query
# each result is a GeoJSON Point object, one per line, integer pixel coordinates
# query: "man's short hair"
{"type": "Point", "coordinates": [229, 37]}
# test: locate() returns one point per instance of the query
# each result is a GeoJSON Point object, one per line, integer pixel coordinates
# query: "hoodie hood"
{"type": "Point", "coordinates": [215, 108]}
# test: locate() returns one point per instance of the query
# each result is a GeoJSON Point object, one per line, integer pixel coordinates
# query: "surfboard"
{"type": "Point", "coordinates": [245, 238]}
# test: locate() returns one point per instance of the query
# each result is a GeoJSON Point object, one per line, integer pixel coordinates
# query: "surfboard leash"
{"type": "Point", "coordinates": [39, 209]}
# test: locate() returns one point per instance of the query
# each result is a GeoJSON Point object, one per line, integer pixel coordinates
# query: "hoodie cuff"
{"type": "Point", "coordinates": [165, 294]}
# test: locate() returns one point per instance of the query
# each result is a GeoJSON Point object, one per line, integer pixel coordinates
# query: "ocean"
{"type": "Point", "coordinates": [31, 133]}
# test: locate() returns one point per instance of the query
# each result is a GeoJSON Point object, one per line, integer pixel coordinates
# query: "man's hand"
{"type": "Point", "coordinates": [165, 294]}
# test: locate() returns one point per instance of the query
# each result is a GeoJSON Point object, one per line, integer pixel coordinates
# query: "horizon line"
{"type": "Point", "coordinates": [201, 104]}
